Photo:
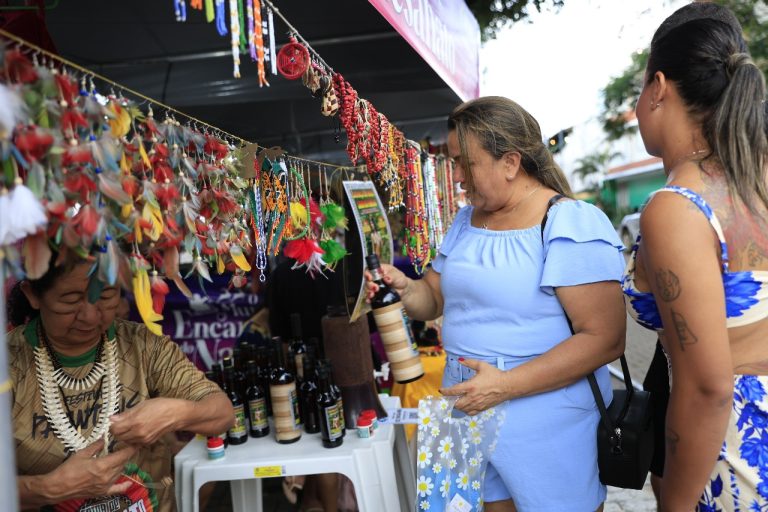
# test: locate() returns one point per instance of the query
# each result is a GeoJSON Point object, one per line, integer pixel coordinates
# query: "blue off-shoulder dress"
{"type": "Point", "coordinates": [500, 307]}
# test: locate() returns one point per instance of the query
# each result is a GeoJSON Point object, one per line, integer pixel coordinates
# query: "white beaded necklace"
{"type": "Point", "coordinates": [52, 397]}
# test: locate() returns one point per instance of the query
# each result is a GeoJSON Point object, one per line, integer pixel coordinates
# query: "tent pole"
{"type": "Point", "coordinates": [8, 487]}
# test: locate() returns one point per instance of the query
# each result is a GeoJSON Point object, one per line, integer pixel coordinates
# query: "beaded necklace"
{"type": "Point", "coordinates": [52, 396]}
{"type": "Point", "coordinates": [416, 228]}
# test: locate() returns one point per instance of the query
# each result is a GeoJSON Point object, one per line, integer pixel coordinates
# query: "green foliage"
{"type": "Point", "coordinates": [620, 97]}
{"type": "Point", "coordinates": [621, 93]}
{"type": "Point", "coordinates": [493, 15]}
{"type": "Point", "coordinates": [594, 164]}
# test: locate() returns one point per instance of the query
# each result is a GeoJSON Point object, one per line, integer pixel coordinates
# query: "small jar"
{"type": "Point", "coordinates": [364, 427]}
{"type": "Point", "coordinates": [371, 415]}
{"type": "Point", "coordinates": [215, 447]}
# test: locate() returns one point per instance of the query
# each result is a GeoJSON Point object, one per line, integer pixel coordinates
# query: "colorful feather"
{"type": "Point", "coordinates": [334, 252]}
{"type": "Point", "coordinates": [154, 217]}
{"type": "Point", "coordinates": [171, 268]}
{"type": "Point", "coordinates": [113, 189]}
{"type": "Point", "coordinates": [236, 252]}
{"type": "Point", "coordinates": [37, 255]}
{"type": "Point", "coordinates": [159, 289]}
{"type": "Point", "coordinates": [335, 216]}
{"type": "Point", "coordinates": [143, 296]}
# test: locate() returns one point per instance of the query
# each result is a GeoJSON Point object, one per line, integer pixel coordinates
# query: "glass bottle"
{"type": "Point", "coordinates": [392, 324]}
{"type": "Point", "coordinates": [297, 345]}
{"type": "Point", "coordinates": [217, 376]}
{"type": "Point", "coordinates": [265, 374]}
{"type": "Point", "coordinates": [238, 433]}
{"type": "Point", "coordinates": [308, 398]}
{"type": "Point", "coordinates": [285, 401]}
{"type": "Point", "coordinates": [328, 411]}
{"type": "Point", "coordinates": [257, 403]}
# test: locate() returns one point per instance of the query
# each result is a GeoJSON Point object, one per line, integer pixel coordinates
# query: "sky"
{"type": "Point", "coordinates": [556, 65]}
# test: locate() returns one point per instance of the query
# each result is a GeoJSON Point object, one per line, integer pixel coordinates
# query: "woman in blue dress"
{"type": "Point", "coordinates": [503, 288]}
{"type": "Point", "coordinates": [699, 272]}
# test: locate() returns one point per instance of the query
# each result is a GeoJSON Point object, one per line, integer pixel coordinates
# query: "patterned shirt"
{"type": "Point", "coordinates": [150, 366]}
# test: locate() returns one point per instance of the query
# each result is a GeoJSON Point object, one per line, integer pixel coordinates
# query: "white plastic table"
{"type": "Point", "coordinates": [380, 467]}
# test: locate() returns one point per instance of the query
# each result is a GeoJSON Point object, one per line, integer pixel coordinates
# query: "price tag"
{"type": "Point", "coordinates": [268, 471]}
{"type": "Point", "coordinates": [401, 416]}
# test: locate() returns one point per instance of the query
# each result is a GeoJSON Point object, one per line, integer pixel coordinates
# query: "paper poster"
{"type": "Point", "coordinates": [373, 231]}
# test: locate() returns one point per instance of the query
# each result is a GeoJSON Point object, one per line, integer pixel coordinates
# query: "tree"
{"type": "Point", "coordinates": [594, 164]}
{"type": "Point", "coordinates": [493, 15]}
{"type": "Point", "coordinates": [621, 93]}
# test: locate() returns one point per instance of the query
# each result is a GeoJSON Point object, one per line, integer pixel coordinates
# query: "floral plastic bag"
{"type": "Point", "coordinates": [453, 453]}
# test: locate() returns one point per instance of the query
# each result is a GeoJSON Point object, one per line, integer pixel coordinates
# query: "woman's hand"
{"type": "Point", "coordinates": [86, 475]}
{"type": "Point", "coordinates": [391, 276]}
{"type": "Point", "coordinates": [145, 423]}
{"type": "Point", "coordinates": [483, 391]}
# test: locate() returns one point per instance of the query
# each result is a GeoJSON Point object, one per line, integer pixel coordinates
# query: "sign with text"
{"type": "Point", "coordinates": [446, 35]}
{"type": "Point", "coordinates": [207, 325]}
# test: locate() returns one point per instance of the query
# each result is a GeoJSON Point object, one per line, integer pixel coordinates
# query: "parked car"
{"type": "Point", "coordinates": [629, 229]}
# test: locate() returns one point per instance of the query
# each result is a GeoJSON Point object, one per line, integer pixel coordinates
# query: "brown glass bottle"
{"type": "Point", "coordinates": [308, 398]}
{"type": "Point", "coordinates": [285, 401]}
{"type": "Point", "coordinates": [297, 345]}
{"type": "Point", "coordinates": [258, 426]}
{"type": "Point", "coordinates": [238, 433]}
{"type": "Point", "coordinates": [392, 324]}
{"type": "Point", "coordinates": [328, 411]}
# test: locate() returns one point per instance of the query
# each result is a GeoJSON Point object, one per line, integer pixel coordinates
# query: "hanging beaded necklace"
{"type": "Point", "coordinates": [52, 380]}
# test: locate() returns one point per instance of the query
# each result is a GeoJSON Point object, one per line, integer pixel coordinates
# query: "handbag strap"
{"type": "Point", "coordinates": [607, 422]}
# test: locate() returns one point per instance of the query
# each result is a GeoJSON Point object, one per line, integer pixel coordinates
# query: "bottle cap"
{"type": "Point", "coordinates": [368, 413]}
{"type": "Point", "coordinates": [364, 422]}
{"type": "Point", "coordinates": [215, 442]}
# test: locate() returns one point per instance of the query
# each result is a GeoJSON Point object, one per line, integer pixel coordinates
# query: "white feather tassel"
{"type": "Point", "coordinates": [12, 111]}
{"type": "Point", "coordinates": [22, 214]}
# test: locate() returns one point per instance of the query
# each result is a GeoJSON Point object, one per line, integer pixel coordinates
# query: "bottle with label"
{"type": "Point", "coordinates": [308, 398]}
{"type": "Point", "coordinates": [265, 374]}
{"type": "Point", "coordinates": [336, 392]}
{"type": "Point", "coordinates": [392, 324]}
{"type": "Point", "coordinates": [285, 400]}
{"type": "Point", "coordinates": [328, 411]}
{"type": "Point", "coordinates": [297, 345]}
{"type": "Point", "coordinates": [238, 433]}
{"type": "Point", "coordinates": [217, 376]}
{"type": "Point", "coordinates": [257, 403]}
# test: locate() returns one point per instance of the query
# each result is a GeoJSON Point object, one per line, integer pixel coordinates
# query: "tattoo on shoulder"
{"type": "Point", "coordinates": [684, 334]}
{"type": "Point", "coordinates": [668, 284]}
{"type": "Point", "coordinates": [672, 438]}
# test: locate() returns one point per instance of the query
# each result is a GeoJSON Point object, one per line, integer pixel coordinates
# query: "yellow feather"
{"type": "Point", "coordinates": [143, 296]}
{"type": "Point", "coordinates": [143, 153]}
{"type": "Point", "coordinates": [155, 217]}
{"type": "Point", "coordinates": [126, 210]}
{"type": "Point", "coordinates": [239, 258]}
{"type": "Point", "coordinates": [219, 264]}
{"type": "Point", "coordinates": [298, 214]}
{"type": "Point", "coordinates": [124, 164]}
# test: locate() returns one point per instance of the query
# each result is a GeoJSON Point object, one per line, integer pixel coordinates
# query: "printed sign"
{"type": "Point", "coordinates": [445, 34]}
{"type": "Point", "coordinates": [208, 324]}
{"type": "Point", "coordinates": [373, 230]}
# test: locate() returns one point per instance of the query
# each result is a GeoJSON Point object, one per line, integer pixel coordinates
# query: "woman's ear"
{"type": "Point", "coordinates": [511, 161]}
{"type": "Point", "coordinates": [659, 89]}
{"type": "Point", "coordinates": [33, 299]}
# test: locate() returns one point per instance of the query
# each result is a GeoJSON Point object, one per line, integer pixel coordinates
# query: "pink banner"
{"type": "Point", "coordinates": [445, 34]}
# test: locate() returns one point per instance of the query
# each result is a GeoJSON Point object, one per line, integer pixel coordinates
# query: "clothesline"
{"type": "Point", "coordinates": [218, 131]}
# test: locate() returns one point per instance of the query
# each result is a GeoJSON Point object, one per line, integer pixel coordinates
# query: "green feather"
{"type": "Point", "coordinates": [335, 216]}
{"type": "Point", "coordinates": [334, 251]}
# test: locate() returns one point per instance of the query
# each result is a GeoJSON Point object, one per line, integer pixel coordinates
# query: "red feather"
{"type": "Point", "coordinates": [19, 68]}
{"type": "Point", "coordinates": [79, 183]}
{"type": "Point", "coordinates": [67, 87]}
{"type": "Point", "coordinates": [301, 250]}
{"type": "Point", "coordinates": [33, 142]}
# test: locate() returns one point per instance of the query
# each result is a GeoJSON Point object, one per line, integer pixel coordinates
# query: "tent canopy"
{"type": "Point", "coordinates": [189, 66]}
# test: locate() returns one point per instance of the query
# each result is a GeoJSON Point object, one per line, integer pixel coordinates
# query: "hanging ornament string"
{"type": "Point", "coordinates": [435, 224]}
{"type": "Point", "coordinates": [251, 30]}
{"type": "Point", "coordinates": [259, 43]}
{"type": "Point", "coordinates": [234, 28]}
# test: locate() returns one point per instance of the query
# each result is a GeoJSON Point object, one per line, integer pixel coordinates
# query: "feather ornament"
{"type": "Point", "coordinates": [298, 215]}
{"type": "Point", "coordinates": [12, 110]}
{"type": "Point", "coordinates": [37, 255]}
{"type": "Point", "coordinates": [189, 209]}
{"type": "Point", "coordinates": [314, 265]}
{"type": "Point", "coordinates": [36, 179]}
{"type": "Point", "coordinates": [106, 153]}
{"type": "Point", "coordinates": [19, 68]}
{"type": "Point", "coordinates": [142, 292]}
{"type": "Point", "coordinates": [171, 268]}
{"type": "Point", "coordinates": [301, 250]}
{"type": "Point", "coordinates": [109, 262]}
{"type": "Point", "coordinates": [22, 213]}
{"type": "Point", "coordinates": [85, 223]}
{"type": "Point", "coordinates": [200, 267]}
{"type": "Point", "coordinates": [32, 142]}
{"type": "Point", "coordinates": [333, 252]}
{"type": "Point", "coordinates": [143, 153]}
{"type": "Point", "coordinates": [113, 189]}
{"type": "Point", "coordinates": [154, 217]}
{"type": "Point", "coordinates": [159, 289]}
{"type": "Point", "coordinates": [120, 123]}
{"type": "Point", "coordinates": [67, 87]}
{"type": "Point", "coordinates": [236, 252]}
{"type": "Point", "coordinates": [335, 216]}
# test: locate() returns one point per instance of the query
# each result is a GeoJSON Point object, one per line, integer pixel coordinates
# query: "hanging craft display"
{"type": "Point", "coordinates": [293, 59]}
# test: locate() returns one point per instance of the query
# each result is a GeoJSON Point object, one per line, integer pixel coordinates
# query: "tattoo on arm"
{"type": "Point", "coordinates": [668, 284]}
{"type": "Point", "coordinates": [684, 334]}
{"type": "Point", "coordinates": [672, 438]}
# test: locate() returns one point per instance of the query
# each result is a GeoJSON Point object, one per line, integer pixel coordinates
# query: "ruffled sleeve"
{"type": "Point", "coordinates": [580, 246]}
{"type": "Point", "coordinates": [451, 237]}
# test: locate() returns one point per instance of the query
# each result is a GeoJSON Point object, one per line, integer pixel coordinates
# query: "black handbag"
{"type": "Point", "coordinates": [625, 431]}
